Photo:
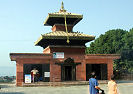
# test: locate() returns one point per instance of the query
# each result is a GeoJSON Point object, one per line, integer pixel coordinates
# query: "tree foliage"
{"type": "Point", "coordinates": [116, 41]}
{"type": "Point", "coordinates": [109, 43]}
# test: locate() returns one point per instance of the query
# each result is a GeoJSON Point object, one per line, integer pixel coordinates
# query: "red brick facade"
{"type": "Point", "coordinates": [55, 70]}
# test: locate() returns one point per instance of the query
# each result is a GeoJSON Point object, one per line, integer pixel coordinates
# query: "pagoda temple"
{"type": "Point", "coordinates": [63, 57]}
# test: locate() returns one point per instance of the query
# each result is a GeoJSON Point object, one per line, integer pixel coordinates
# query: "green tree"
{"type": "Point", "coordinates": [116, 41]}
{"type": "Point", "coordinates": [109, 43]}
{"type": "Point", "coordinates": [125, 63]}
{"type": "Point", "coordinates": [128, 40]}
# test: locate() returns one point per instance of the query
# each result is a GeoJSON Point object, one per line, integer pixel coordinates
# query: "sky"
{"type": "Point", "coordinates": [21, 23]}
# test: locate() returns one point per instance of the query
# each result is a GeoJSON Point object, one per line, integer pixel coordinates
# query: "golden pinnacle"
{"type": "Point", "coordinates": [68, 41]}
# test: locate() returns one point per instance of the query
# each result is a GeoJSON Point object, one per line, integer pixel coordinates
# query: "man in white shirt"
{"type": "Point", "coordinates": [34, 71]}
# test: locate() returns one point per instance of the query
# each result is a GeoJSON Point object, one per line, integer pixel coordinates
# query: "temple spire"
{"type": "Point", "coordinates": [62, 7]}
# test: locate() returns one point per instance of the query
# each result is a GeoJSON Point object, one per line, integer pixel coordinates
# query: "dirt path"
{"type": "Point", "coordinates": [124, 88]}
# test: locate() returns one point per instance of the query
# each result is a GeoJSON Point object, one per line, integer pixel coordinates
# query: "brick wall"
{"type": "Point", "coordinates": [19, 73]}
{"type": "Point", "coordinates": [61, 27]}
{"type": "Point", "coordinates": [22, 58]}
{"type": "Point", "coordinates": [102, 59]}
{"type": "Point", "coordinates": [55, 70]}
{"type": "Point", "coordinates": [76, 53]}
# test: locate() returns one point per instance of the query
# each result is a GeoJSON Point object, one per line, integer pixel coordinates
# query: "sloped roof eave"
{"type": "Point", "coordinates": [70, 38]}
{"type": "Point", "coordinates": [50, 15]}
{"type": "Point", "coordinates": [39, 39]}
{"type": "Point", "coordinates": [64, 35]}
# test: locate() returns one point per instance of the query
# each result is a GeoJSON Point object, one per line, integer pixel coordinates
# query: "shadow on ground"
{"type": "Point", "coordinates": [124, 81]}
{"type": "Point", "coordinates": [6, 85]}
{"type": "Point", "coordinates": [11, 93]}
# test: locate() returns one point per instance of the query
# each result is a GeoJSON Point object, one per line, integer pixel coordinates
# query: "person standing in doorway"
{"type": "Point", "coordinates": [112, 86]}
{"type": "Point", "coordinates": [34, 72]}
{"type": "Point", "coordinates": [93, 84]}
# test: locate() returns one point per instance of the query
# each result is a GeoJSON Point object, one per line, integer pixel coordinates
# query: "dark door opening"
{"type": "Point", "coordinates": [99, 69]}
{"type": "Point", "coordinates": [68, 73]}
{"type": "Point", "coordinates": [43, 69]}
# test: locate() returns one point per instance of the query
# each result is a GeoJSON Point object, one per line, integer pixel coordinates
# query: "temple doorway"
{"type": "Point", "coordinates": [99, 69]}
{"type": "Point", "coordinates": [68, 73]}
{"type": "Point", "coordinates": [68, 70]}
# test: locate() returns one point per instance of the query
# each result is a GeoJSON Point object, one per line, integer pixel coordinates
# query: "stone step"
{"type": "Point", "coordinates": [66, 83]}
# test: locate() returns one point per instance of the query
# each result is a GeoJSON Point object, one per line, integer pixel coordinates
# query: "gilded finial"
{"type": "Point", "coordinates": [62, 7]}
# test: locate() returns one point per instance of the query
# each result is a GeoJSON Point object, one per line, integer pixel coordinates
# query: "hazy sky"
{"type": "Point", "coordinates": [21, 21]}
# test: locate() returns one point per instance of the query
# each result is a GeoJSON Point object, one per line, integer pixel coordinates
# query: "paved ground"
{"type": "Point", "coordinates": [124, 88]}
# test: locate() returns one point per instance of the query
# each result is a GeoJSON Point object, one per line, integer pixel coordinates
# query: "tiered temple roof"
{"type": "Point", "coordinates": [58, 17]}
{"type": "Point", "coordinates": [59, 35]}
